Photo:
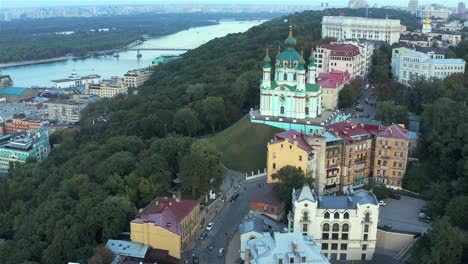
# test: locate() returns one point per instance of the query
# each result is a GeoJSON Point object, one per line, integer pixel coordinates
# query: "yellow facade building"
{"type": "Point", "coordinates": [167, 224]}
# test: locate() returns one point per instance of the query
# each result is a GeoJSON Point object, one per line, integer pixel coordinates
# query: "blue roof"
{"type": "Point", "coordinates": [447, 61]}
{"type": "Point", "coordinates": [347, 202]}
{"type": "Point", "coordinates": [127, 248]}
{"type": "Point", "coordinates": [11, 90]}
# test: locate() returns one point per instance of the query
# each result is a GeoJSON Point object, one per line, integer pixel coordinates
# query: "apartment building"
{"type": "Point", "coordinates": [344, 225]}
{"type": "Point", "coordinates": [106, 90]}
{"type": "Point", "coordinates": [391, 155]}
{"type": "Point", "coordinates": [339, 57]}
{"type": "Point", "coordinates": [343, 157]}
{"type": "Point", "coordinates": [136, 78]}
{"type": "Point", "coordinates": [408, 64]}
{"type": "Point", "coordinates": [20, 123]}
{"type": "Point", "coordinates": [63, 111]}
{"type": "Point", "coordinates": [166, 224]}
{"type": "Point", "coordinates": [332, 83]}
{"type": "Point", "coordinates": [343, 27]}
{"type": "Point", "coordinates": [282, 248]}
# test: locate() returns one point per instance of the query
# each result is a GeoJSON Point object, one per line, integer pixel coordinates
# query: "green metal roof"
{"type": "Point", "coordinates": [293, 88]}
{"type": "Point", "coordinates": [290, 55]}
{"type": "Point", "coordinates": [11, 90]}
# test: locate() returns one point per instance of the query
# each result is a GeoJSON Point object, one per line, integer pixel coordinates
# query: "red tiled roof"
{"type": "Point", "coordinates": [166, 213]}
{"type": "Point", "coordinates": [393, 131]}
{"type": "Point", "coordinates": [333, 79]}
{"type": "Point", "coordinates": [293, 136]}
{"type": "Point", "coordinates": [344, 50]}
{"type": "Point", "coordinates": [349, 129]}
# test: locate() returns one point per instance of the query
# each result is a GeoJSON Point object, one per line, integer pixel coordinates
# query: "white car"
{"type": "Point", "coordinates": [382, 203]}
{"type": "Point", "coordinates": [209, 226]}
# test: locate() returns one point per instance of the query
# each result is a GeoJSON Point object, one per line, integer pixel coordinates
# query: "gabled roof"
{"type": "Point", "coordinates": [349, 131]}
{"type": "Point", "coordinates": [267, 195]}
{"type": "Point", "coordinates": [344, 50]}
{"type": "Point", "coordinates": [393, 131]}
{"type": "Point", "coordinates": [293, 136]}
{"type": "Point", "coordinates": [305, 194]}
{"type": "Point", "coordinates": [333, 79]}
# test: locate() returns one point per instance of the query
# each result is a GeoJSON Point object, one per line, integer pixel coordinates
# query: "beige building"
{"type": "Point", "coordinates": [343, 27]}
{"type": "Point", "coordinates": [332, 83]}
{"type": "Point", "coordinates": [391, 156]}
{"type": "Point", "coordinates": [339, 57]}
{"type": "Point", "coordinates": [106, 90]}
{"type": "Point", "coordinates": [136, 78]}
{"type": "Point", "coordinates": [344, 225]}
{"type": "Point", "coordinates": [63, 111]}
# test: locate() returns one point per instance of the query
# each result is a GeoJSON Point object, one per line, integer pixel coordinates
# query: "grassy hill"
{"type": "Point", "coordinates": [244, 145]}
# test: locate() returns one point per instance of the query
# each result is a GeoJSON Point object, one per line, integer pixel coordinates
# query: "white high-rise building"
{"type": "Point", "coordinates": [342, 27]}
{"type": "Point", "coordinates": [413, 6]}
{"type": "Point", "coordinates": [345, 226]}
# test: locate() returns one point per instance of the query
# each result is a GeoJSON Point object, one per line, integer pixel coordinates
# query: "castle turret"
{"type": "Point", "coordinates": [266, 82]}
{"type": "Point", "coordinates": [312, 68]}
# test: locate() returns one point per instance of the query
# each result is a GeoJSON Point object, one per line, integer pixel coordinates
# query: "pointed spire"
{"type": "Point", "coordinates": [267, 56]}
{"type": "Point", "coordinates": [279, 50]}
{"type": "Point", "coordinates": [312, 58]}
{"type": "Point", "coordinates": [290, 41]}
{"type": "Point", "coordinates": [290, 30]}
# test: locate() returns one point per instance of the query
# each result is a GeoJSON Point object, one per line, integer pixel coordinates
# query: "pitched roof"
{"type": "Point", "coordinates": [267, 195]}
{"type": "Point", "coordinates": [11, 90]}
{"type": "Point", "coordinates": [393, 131]}
{"type": "Point", "coordinates": [333, 79]}
{"type": "Point", "coordinates": [293, 136]}
{"type": "Point", "coordinates": [166, 213]}
{"type": "Point", "coordinates": [349, 131]}
{"type": "Point", "coordinates": [305, 193]}
{"type": "Point", "coordinates": [344, 50]}
{"type": "Point", "coordinates": [351, 201]}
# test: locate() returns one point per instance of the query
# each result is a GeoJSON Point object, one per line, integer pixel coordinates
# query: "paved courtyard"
{"type": "Point", "coordinates": [403, 214]}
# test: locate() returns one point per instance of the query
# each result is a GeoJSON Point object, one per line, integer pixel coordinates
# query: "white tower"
{"type": "Point", "coordinates": [266, 81]}
{"type": "Point", "coordinates": [312, 68]}
{"type": "Point", "coordinates": [301, 72]}
{"type": "Point", "coordinates": [427, 27]}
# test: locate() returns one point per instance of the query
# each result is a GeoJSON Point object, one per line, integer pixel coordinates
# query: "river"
{"type": "Point", "coordinates": [107, 66]}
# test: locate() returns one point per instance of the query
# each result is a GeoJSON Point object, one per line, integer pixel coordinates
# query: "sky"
{"type": "Point", "coordinates": [42, 3]}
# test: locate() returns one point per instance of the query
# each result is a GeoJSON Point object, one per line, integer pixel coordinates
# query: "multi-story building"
{"type": "Point", "coordinates": [342, 158]}
{"type": "Point", "coordinates": [413, 6]}
{"type": "Point", "coordinates": [283, 248]}
{"type": "Point", "coordinates": [63, 111]}
{"type": "Point", "coordinates": [136, 78]}
{"type": "Point", "coordinates": [74, 80]}
{"type": "Point", "coordinates": [391, 156]}
{"type": "Point", "coordinates": [417, 39]}
{"type": "Point", "coordinates": [20, 123]}
{"type": "Point", "coordinates": [345, 225]}
{"type": "Point", "coordinates": [167, 224]}
{"type": "Point", "coordinates": [461, 10]}
{"type": "Point", "coordinates": [293, 93]}
{"type": "Point", "coordinates": [332, 83]}
{"type": "Point", "coordinates": [356, 4]}
{"type": "Point", "coordinates": [15, 94]}
{"type": "Point", "coordinates": [342, 27]}
{"type": "Point", "coordinates": [366, 50]}
{"type": "Point", "coordinates": [106, 90]}
{"type": "Point", "coordinates": [19, 147]}
{"type": "Point", "coordinates": [434, 12]}
{"type": "Point", "coordinates": [340, 57]}
{"type": "Point", "coordinates": [408, 64]}
{"type": "Point", "coordinates": [5, 81]}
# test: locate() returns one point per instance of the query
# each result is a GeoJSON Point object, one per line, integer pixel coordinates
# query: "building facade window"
{"type": "Point", "coordinates": [326, 227]}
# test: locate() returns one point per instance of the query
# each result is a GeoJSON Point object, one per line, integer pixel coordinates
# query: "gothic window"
{"type": "Point", "coordinates": [282, 110]}
{"type": "Point", "coordinates": [346, 215]}
{"type": "Point", "coordinates": [285, 76]}
{"type": "Point", "coordinates": [327, 215]}
{"type": "Point", "coordinates": [336, 227]}
{"type": "Point", "coordinates": [305, 216]}
{"type": "Point", "coordinates": [367, 217]}
{"type": "Point", "coordinates": [326, 227]}
{"type": "Point", "coordinates": [336, 215]}
{"type": "Point", "coordinates": [307, 110]}
{"type": "Point", "coordinates": [345, 228]}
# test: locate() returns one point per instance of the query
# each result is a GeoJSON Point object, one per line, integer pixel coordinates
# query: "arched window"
{"type": "Point", "coordinates": [285, 76]}
{"type": "Point", "coordinates": [326, 215]}
{"type": "Point", "coordinates": [345, 228]}
{"type": "Point", "coordinates": [336, 227]}
{"type": "Point", "coordinates": [346, 215]}
{"type": "Point", "coordinates": [367, 217]}
{"type": "Point", "coordinates": [326, 227]}
{"type": "Point", "coordinates": [305, 216]}
{"type": "Point", "coordinates": [282, 110]}
{"type": "Point", "coordinates": [336, 215]}
{"type": "Point", "coordinates": [307, 110]}
{"type": "Point", "coordinates": [294, 77]}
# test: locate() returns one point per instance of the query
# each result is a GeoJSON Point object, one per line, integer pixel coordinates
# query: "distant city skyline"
{"type": "Point", "coordinates": [49, 3]}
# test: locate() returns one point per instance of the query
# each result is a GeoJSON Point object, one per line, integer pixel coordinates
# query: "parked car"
{"type": "Point", "coordinates": [234, 197]}
{"type": "Point", "coordinates": [382, 203]}
{"type": "Point", "coordinates": [203, 236]}
{"type": "Point", "coordinates": [221, 252]}
{"type": "Point", "coordinates": [423, 217]}
{"type": "Point", "coordinates": [209, 226]}
{"type": "Point", "coordinates": [395, 196]}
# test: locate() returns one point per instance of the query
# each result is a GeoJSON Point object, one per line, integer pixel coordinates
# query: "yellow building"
{"type": "Point", "coordinates": [391, 156]}
{"type": "Point", "coordinates": [288, 148]}
{"type": "Point", "coordinates": [167, 224]}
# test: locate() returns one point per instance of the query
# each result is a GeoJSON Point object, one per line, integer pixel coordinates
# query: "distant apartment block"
{"type": "Point", "coordinates": [283, 248]}
{"type": "Point", "coordinates": [356, 4]}
{"type": "Point", "coordinates": [167, 224]}
{"type": "Point", "coordinates": [19, 147]}
{"type": "Point", "coordinates": [344, 225]}
{"type": "Point", "coordinates": [74, 80]}
{"type": "Point", "coordinates": [63, 111]}
{"type": "Point", "coordinates": [136, 78]}
{"type": "Point", "coordinates": [20, 123]}
{"type": "Point", "coordinates": [343, 27]}
{"type": "Point", "coordinates": [408, 64]}
{"type": "Point", "coordinates": [106, 90]}
{"type": "Point", "coordinates": [344, 156]}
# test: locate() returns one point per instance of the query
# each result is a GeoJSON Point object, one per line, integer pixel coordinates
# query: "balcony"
{"type": "Point", "coordinates": [385, 157]}
{"type": "Point", "coordinates": [360, 169]}
{"type": "Point", "coordinates": [305, 219]}
{"type": "Point", "coordinates": [384, 167]}
{"type": "Point", "coordinates": [358, 161]}
{"type": "Point", "coordinates": [367, 221]}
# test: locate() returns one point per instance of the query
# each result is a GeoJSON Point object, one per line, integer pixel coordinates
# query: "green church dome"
{"type": "Point", "coordinates": [290, 41]}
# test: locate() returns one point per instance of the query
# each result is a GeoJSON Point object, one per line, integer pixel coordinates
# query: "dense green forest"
{"type": "Point", "coordinates": [35, 39]}
{"type": "Point", "coordinates": [128, 149]}
{"type": "Point", "coordinates": [442, 174]}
